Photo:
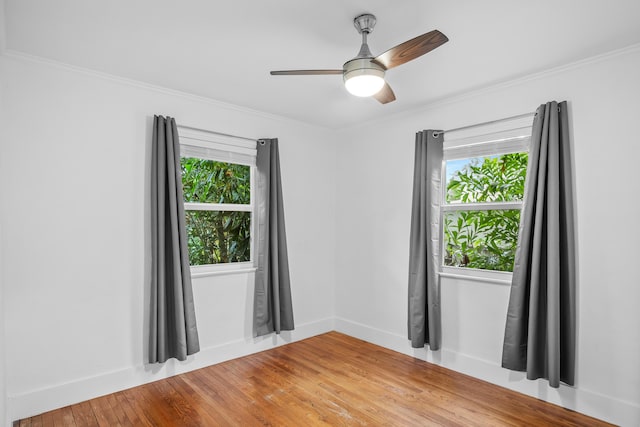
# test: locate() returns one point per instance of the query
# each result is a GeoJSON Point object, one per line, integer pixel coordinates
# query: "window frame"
{"type": "Point", "coordinates": [219, 148]}
{"type": "Point", "coordinates": [514, 139]}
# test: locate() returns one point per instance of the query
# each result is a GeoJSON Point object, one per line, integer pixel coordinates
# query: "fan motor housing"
{"type": "Point", "coordinates": [362, 66]}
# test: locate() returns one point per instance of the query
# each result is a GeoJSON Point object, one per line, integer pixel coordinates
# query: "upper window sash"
{"type": "Point", "coordinates": [219, 148]}
{"type": "Point", "coordinates": [506, 141]}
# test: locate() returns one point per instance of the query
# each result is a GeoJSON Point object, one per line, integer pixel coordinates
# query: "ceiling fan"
{"type": "Point", "coordinates": [364, 74]}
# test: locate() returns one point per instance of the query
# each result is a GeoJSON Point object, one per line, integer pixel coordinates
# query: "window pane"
{"type": "Point", "coordinates": [486, 179]}
{"type": "Point", "coordinates": [208, 181]}
{"type": "Point", "coordinates": [481, 239]}
{"type": "Point", "coordinates": [218, 237]}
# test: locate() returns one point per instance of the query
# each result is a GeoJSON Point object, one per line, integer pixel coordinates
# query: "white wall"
{"type": "Point", "coordinates": [4, 420]}
{"type": "Point", "coordinates": [3, 389]}
{"type": "Point", "coordinates": [73, 182]}
{"type": "Point", "coordinates": [375, 170]}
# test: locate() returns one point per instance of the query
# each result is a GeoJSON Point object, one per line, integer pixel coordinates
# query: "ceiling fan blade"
{"type": "Point", "coordinates": [305, 72]}
{"type": "Point", "coordinates": [385, 95]}
{"type": "Point", "coordinates": [411, 49]}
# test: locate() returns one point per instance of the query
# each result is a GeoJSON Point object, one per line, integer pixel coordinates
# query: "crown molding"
{"type": "Point", "coordinates": [437, 103]}
{"type": "Point", "coordinates": [21, 56]}
{"type": "Point", "coordinates": [504, 84]}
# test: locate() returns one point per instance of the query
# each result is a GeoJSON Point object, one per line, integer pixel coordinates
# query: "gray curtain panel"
{"type": "Point", "coordinates": [273, 310]}
{"type": "Point", "coordinates": [424, 249]}
{"type": "Point", "coordinates": [173, 331]}
{"type": "Point", "coordinates": [540, 334]}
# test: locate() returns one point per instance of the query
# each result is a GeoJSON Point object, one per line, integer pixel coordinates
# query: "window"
{"type": "Point", "coordinates": [218, 187]}
{"type": "Point", "coordinates": [484, 179]}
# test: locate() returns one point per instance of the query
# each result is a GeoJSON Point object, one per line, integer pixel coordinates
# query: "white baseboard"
{"type": "Point", "coordinates": [38, 401]}
{"type": "Point", "coordinates": [584, 401]}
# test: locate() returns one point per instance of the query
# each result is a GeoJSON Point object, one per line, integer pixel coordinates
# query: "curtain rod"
{"type": "Point", "coordinates": [519, 116]}
{"type": "Point", "coordinates": [219, 133]}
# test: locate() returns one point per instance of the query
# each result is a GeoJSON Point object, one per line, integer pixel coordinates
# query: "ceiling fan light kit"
{"type": "Point", "coordinates": [364, 75]}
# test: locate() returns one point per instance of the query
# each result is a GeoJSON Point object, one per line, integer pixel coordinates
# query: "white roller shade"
{"type": "Point", "coordinates": [206, 145]}
{"type": "Point", "coordinates": [499, 138]}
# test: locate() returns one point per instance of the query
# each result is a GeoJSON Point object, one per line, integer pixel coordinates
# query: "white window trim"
{"type": "Point", "coordinates": [477, 275]}
{"type": "Point", "coordinates": [499, 140]}
{"type": "Point", "coordinates": [219, 206]}
{"type": "Point", "coordinates": [222, 269]}
{"type": "Point", "coordinates": [220, 148]}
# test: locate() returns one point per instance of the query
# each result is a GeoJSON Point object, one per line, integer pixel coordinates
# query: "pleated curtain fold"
{"type": "Point", "coordinates": [424, 324]}
{"type": "Point", "coordinates": [173, 331]}
{"type": "Point", "coordinates": [273, 309]}
{"type": "Point", "coordinates": [540, 333]}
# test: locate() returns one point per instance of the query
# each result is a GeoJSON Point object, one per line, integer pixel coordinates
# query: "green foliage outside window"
{"type": "Point", "coordinates": [208, 181]}
{"type": "Point", "coordinates": [484, 239]}
{"type": "Point", "coordinates": [217, 236]}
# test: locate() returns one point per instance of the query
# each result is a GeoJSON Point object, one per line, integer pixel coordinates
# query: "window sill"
{"type": "Point", "coordinates": [207, 273]}
{"type": "Point", "coordinates": [495, 277]}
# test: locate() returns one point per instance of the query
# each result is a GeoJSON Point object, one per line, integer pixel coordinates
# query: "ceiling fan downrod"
{"type": "Point", "coordinates": [364, 24]}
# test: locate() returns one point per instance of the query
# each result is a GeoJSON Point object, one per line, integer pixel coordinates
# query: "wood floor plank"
{"type": "Point", "coordinates": [438, 380]}
{"type": "Point", "coordinates": [149, 405]}
{"type": "Point", "coordinates": [63, 417]}
{"type": "Point", "coordinates": [210, 399]}
{"type": "Point", "coordinates": [134, 418]}
{"type": "Point", "coordinates": [328, 380]}
{"type": "Point", "coordinates": [199, 411]}
{"type": "Point", "coordinates": [241, 397]}
{"type": "Point", "coordinates": [83, 415]}
{"type": "Point", "coordinates": [118, 411]}
{"type": "Point", "coordinates": [224, 395]}
{"type": "Point", "coordinates": [352, 380]}
{"type": "Point", "coordinates": [104, 414]}
{"type": "Point", "coordinates": [47, 419]}
{"type": "Point", "coordinates": [308, 391]}
{"type": "Point", "coordinates": [349, 397]}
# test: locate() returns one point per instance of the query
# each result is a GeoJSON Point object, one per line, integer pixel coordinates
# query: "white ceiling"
{"type": "Point", "coordinates": [224, 50]}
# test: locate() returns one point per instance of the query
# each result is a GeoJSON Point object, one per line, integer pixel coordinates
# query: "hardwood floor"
{"type": "Point", "coordinates": [329, 380]}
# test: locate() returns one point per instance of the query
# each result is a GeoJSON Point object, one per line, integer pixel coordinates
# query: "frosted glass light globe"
{"type": "Point", "coordinates": [364, 85]}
